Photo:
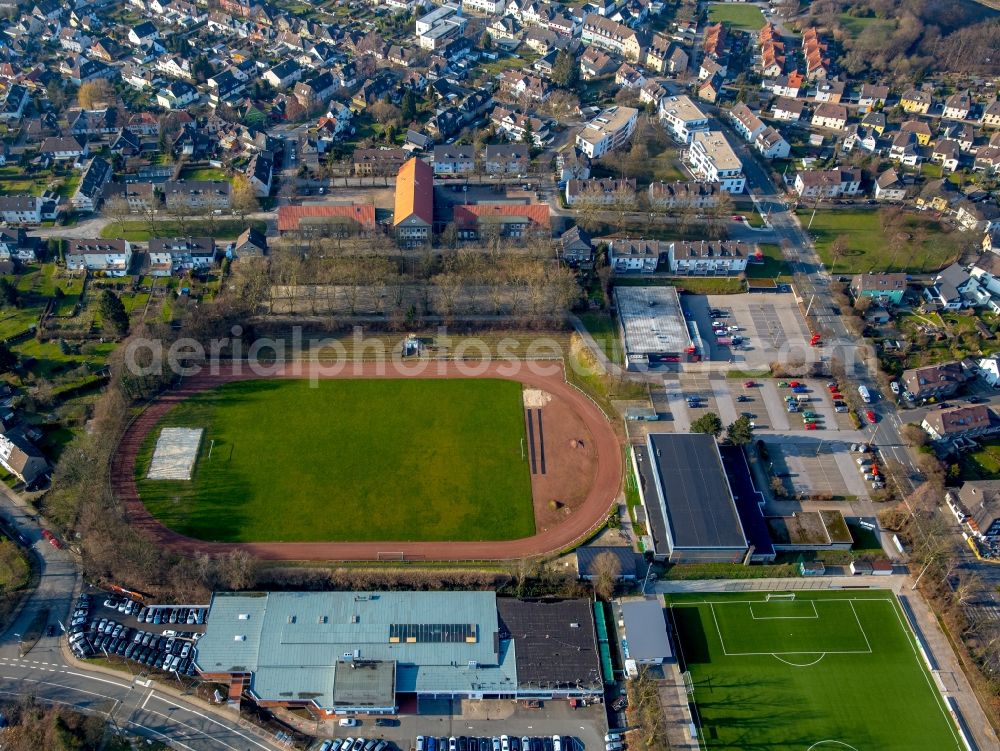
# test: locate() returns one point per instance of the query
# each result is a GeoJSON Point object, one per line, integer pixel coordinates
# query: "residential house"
{"type": "Point", "coordinates": [259, 171]}
{"type": "Point", "coordinates": [788, 109]}
{"type": "Point", "coordinates": [745, 122]}
{"type": "Point", "coordinates": [982, 216]}
{"type": "Point", "coordinates": [889, 186]}
{"type": "Point", "coordinates": [608, 131]}
{"type": "Point", "coordinates": [197, 194]}
{"type": "Point", "coordinates": [957, 106]}
{"type": "Point", "coordinates": [831, 116]}
{"type": "Point", "coordinates": [601, 191]}
{"type": "Point", "coordinates": [635, 256]}
{"type": "Point", "coordinates": [576, 248]}
{"type": "Point", "coordinates": [177, 95]}
{"type": "Point", "coordinates": [284, 74]}
{"type": "Point", "coordinates": [916, 101]}
{"type": "Point", "coordinates": [21, 457]}
{"type": "Point", "coordinates": [595, 63]}
{"type": "Point", "coordinates": [454, 159]}
{"type": "Point", "coordinates": [937, 381]}
{"type": "Point", "coordinates": [523, 86]}
{"type": "Point", "coordinates": [876, 121]}
{"type": "Point", "coordinates": [947, 153]}
{"type": "Point", "coordinates": [14, 103]}
{"type": "Point", "coordinates": [814, 51]}
{"type": "Point", "coordinates": [515, 124]}
{"type": "Point", "coordinates": [63, 148]}
{"type": "Point", "coordinates": [714, 41]}
{"type": "Point", "coordinates": [507, 159]}
{"type": "Point", "coordinates": [954, 288]}
{"type": "Point", "coordinates": [695, 195]}
{"type": "Point", "coordinates": [613, 36]}
{"type": "Point", "coordinates": [918, 128]}
{"type": "Point", "coordinates": [413, 219]}
{"type": "Point", "coordinates": [770, 144]}
{"type": "Point", "coordinates": [905, 149]}
{"type": "Point", "coordinates": [492, 220]}
{"type": "Point", "coordinates": [829, 91]}
{"type": "Point", "coordinates": [111, 257]}
{"type": "Point", "coordinates": [252, 243]}
{"type": "Point", "coordinates": [831, 183]}
{"type": "Point", "coordinates": [871, 96]}
{"type": "Point", "coordinates": [90, 190]}
{"type": "Point", "coordinates": [707, 257]}
{"type": "Point", "coordinates": [682, 117]}
{"type": "Point", "coordinates": [27, 209]}
{"type": "Point", "coordinates": [168, 256]}
{"type": "Point", "coordinates": [884, 287]}
{"type": "Point", "coordinates": [979, 502]}
{"type": "Point", "coordinates": [712, 158]}
{"type": "Point", "coordinates": [16, 245]}
{"type": "Point", "coordinates": [378, 162]}
{"type": "Point", "coordinates": [968, 422]}
{"type": "Point", "coordinates": [143, 33]}
{"type": "Point", "coordinates": [629, 77]}
{"type": "Point", "coordinates": [991, 115]}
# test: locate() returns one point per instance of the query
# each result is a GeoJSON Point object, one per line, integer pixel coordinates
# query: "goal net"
{"type": "Point", "coordinates": [688, 682]}
{"type": "Point", "coordinates": [780, 596]}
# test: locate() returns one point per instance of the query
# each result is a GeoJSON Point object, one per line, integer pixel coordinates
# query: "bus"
{"type": "Point", "coordinates": [866, 396]}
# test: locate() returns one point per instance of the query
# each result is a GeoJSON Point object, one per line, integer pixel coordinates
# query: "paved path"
{"type": "Point", "coordinates": [547, 376]}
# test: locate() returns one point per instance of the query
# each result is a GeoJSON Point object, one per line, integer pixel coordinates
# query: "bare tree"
{"type": "Point", "coordinates": [605, 572]}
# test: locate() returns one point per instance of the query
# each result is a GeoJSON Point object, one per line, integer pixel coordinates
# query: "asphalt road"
{"type": "Point", "coordinates": [135, 704]}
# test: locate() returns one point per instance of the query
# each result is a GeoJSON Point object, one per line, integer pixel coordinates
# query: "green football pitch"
{"type": "Point", "coordinates": [825, 671]}
{"type": "Point", "coordinates": [358, 460]}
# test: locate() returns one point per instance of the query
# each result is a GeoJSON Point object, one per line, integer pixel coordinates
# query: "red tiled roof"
{"type": "Point", "coordinates": [414, 192]}
{"type": "Point", "coordinates": [290, 216]}
{"type": "Point", "coordinates": [536, 213]}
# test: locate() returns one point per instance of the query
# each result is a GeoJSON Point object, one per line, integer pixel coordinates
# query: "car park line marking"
{"type": "Point", "coordinates": [210, 719]}
{"type": "Point", "coordinates": [148, 697]}
{"type": "Point", "coordinates": [195, 731]}
{"type": "Point", "coordinates": [94, 678]}
{"type": "Point", "coordinates": [170, 741]}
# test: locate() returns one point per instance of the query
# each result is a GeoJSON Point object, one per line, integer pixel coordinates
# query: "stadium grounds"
{"type": "Point", "coordinates": [816, 671]}
{"type": "Point", "coordinates": [349, 459]}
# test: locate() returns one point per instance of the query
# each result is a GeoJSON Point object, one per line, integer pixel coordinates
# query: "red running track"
{"type": "Point", "coordinates": [547, 375]}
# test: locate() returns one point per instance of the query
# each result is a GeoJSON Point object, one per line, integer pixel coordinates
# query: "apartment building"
{"type": "Point", "coordinates": [608, 131]}
{"type": "Point", "coordinates": [109, 256]}
{"type": "Point", "coordinates": [682, 117]}
{"type": "Point", "coordinates": [712, 158]}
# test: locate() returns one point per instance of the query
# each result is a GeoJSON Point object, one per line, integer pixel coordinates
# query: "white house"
{"type": "Point", "coordinates": [772, 145]}
{"type": "Point", "coordinates": [170, 255]}
{"type": "Point", "coordinates": [608, 131]}
{"type": "Point", "coordinates": [110, 256]}
{"type": "Point", "coordinates": [682, 117]}
{"type": "Point", "coordinates": [712, 158]}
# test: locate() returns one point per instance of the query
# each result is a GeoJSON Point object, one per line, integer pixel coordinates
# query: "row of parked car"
{"type": "Point", "coordinates": [498, 743]}
{"type": "Point", "coordinates": [357, 744]}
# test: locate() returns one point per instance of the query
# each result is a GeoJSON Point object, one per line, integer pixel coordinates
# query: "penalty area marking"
{"type": "Point", "coordinates": [838, 744]}
{"type": "Point", "coordinates": [812, 603]}
{"type": "Point", "coordinates": [797, 664]}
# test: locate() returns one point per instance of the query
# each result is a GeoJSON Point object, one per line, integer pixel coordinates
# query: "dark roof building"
{"type": "Point", "coordinates": [587, 555]}
{"type": "Point", "coordinates": [689, 504]}
{"type": "Point", "coordinates": [555, 644]}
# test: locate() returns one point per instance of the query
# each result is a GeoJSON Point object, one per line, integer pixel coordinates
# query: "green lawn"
{"type": "Point", "coordinates": [984, 463]}
{"type": "Point", "coordinates": [203, 173]}
{"type": "Point", "coordinates": [868, 248]}
{"type": "Point", "coordinates": [737, 15]}
{"type": "Point", "coordinates": [138, 231]}
{"type": "Point", "coordinates": [825, 670]}
{"type": "Point", "coordinates": [350, 460]}
{"type": "Point", "coordinates": [774, 263]}
{"type": "Point", "coordinates": [603, 328]}
{"type": "Point", "coordinates": [854, 25]}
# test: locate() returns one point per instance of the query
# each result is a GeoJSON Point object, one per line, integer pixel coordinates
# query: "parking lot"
{"type": "Point", "coordinates": [160, 637]}
{"type": "Point", "coordinates": [578, 728]}
{"type": "Point", "coordinates": [816, 467]}
{"type": "Point", "coordinates": [770, 325]}
{"type": "Point", "coordinates": [764, 401]}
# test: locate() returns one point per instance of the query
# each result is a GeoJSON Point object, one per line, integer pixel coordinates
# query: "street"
{"type": "Point", "coordinates": [137, 706]}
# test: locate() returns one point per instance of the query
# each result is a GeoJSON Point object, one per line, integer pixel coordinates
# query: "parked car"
{"type": "Point", "coordinates": [870, 416]}
{"type": "Point", "coordinates": [348, 722]}
{"type": "Point", "coordinates": [811, 426]}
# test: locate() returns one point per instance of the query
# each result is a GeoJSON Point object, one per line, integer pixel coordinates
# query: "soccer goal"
{"type": "Point", "coordinates": [688, 682]}
{"type": "Point", "coordinates": [779, 596]}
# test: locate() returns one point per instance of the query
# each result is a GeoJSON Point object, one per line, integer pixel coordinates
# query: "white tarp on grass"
{"type": "Point", "coordinates": [175, 454]}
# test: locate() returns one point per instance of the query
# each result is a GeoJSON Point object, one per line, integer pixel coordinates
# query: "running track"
{"type": "Point", "coordinates": [546, 375]}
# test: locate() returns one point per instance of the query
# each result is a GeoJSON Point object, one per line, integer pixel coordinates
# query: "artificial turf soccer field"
{"type": "Point", "coordinates": [825, 671]}
{"type": "Point", "coordinates": [358, 460]}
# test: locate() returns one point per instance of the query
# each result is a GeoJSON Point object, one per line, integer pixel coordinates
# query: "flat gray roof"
{"type": "Point", "coordinates": [645, 630]}
{"type": "Point", "coordinates": [652, 320]}
{"type": "Point", "coordinates": [695, 497]}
